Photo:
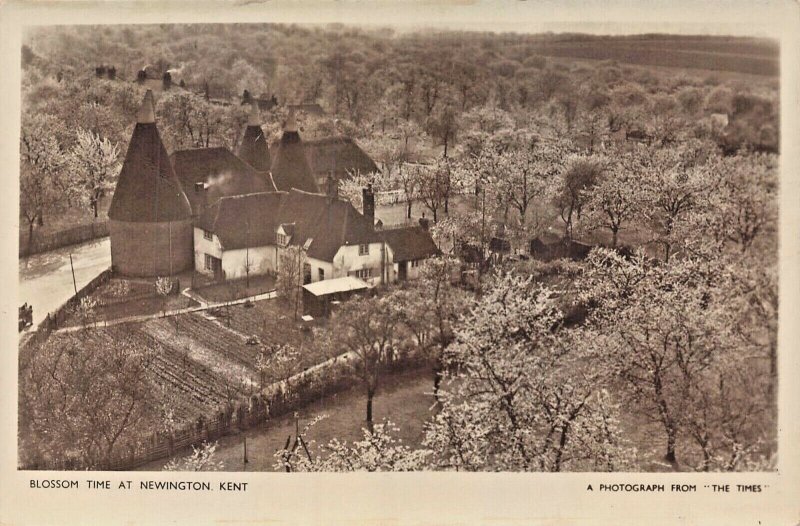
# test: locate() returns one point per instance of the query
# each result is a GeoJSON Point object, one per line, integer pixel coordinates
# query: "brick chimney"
{"type": "Point", "coordinates": [369, 203]}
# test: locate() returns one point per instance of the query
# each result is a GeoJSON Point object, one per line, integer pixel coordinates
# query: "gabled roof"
{"type": "Point", "coordinates": [222, 172]}
{"type": "Point", "coordinates": [410, 243]}
{"type": "Point", "coordinates": [244, 220]}
{"type": "Point", "coordinates": [148, 190]}
{"type": "Point", "coordinates": [313, 220]}
{"type": "Point", "coordinates": [340, 156]}
{"type": "Point", "coordinates": [330, 223]}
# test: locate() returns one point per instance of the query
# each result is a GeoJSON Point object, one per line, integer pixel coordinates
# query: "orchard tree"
{"type": "Point", "coordinates": [524, 397]}
{"type": "Point", "coordinates": [41, 172]}
{"type": "Point", "coordinates": [201, 459]}
{"type": "Point", "coordinates": [81, 404]}
{"type": "Point", "coordinates": [617, 198]}
{"type": "Point", "coordinates": [378, 450]}
{"type": "Point", "coordinates": [745, 206]}
{"type": "Point", "coordinates": [432, 306]}
{"type": "Point", "coordinates": [574, 189]}
{"type": "Point", "coordinates": [525, 175]}
{"type": "Point", "coordinates": [365, 327]}
{"type": "Point", "coordinates": [669, 333]}
{"type": "Point", "coordinates": [289, 282]}
{"type": "Point", "coordinates": [435, 185]}
{"type": "Point", "coordinates": [94, 162]}
{"type": "Point", "coordinates": [443, 124]}
{"type": "Point", "coordinates": [677, 185]}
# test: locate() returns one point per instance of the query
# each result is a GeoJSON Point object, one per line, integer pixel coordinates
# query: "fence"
{"type": "Point", "coordinates": [63, 238]}
{"type": "Point", "coordinates": [57, 318]}
{"type": "Point", "coordinates": [279, 399]}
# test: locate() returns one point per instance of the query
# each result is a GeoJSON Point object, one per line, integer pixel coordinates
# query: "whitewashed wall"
{"type": "Point", "coordinates": [347, 260]}
{"type": "Point", "coordinates": [203, 246]}
{"type": "Point", "coordinates": [234, 262]}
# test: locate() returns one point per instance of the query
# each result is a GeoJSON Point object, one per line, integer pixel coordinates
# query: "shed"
{"type": "Point", "coordinates": [318, 296]}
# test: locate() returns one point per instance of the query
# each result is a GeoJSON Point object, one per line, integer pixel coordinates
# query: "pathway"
{"type": "Point", "coordinates": [144, 317]}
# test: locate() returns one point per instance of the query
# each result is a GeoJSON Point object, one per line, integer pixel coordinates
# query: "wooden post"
{"type": "Point", "coordinates": [245, 450]}
{"type": "Point", "coordinates": [74, 284]}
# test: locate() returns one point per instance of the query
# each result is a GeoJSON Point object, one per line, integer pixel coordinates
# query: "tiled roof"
{"type": "Point", "coordinates": [330, 223]}
{"type": "Point", "coordinates": [254, 150]}
{"type": "Point", "coordinates": [244, 220]}
{"type": "Point", "coordinates": [223, 173]}
{"type": "Point", "coordinates": [410, 243]}
{"type": "Point", "coordinates": [290, 167]}
{"type": "Point", "coordinates": [253, 220]}
{"type": "Point", "coordinates": [338, 155]}
{"type": "Point", "coordinates": [147, 189]}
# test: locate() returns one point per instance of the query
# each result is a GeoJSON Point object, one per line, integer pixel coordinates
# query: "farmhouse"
{"type": "Point", "coordinates": [253, 234]}
{"type": "Point", "coordinates": [209, 210]}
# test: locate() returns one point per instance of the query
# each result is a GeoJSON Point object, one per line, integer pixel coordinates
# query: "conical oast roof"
{"type": "Point", "coordinates": [147, 189]}
{"type": "Point", "coordinates": [290, 167]}
{"type": "Point", "coordinates": [254, 150]}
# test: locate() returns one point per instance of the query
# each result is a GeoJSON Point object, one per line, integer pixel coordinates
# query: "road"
{"type": "Point", "coordinates": [45, 280]}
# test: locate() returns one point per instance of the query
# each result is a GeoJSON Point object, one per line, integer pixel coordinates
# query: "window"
{"type": "Point", "coordinates": [208, 235]}
{"type": "Point", "coordinates": [321, 274]}
{"type": "Point", "coordinates": [363, 250]}
{"type": "Point", "coordinates": [364, 273]}
{"type": "Point", "coordinates": [209, 262]}
{"type": "Point", "coordinates": [415, 263]}
{"type": "Point", "coordinates": [283, 240]}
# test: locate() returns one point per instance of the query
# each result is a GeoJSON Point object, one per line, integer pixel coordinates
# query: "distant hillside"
{"type": "Point", "coordinates": [741, 55]}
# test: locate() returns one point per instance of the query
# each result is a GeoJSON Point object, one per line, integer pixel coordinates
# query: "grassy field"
{"type": "Point", "coordinates": [232, 290]}
{"type": "Point", "coordinates": [404, 399]}
{"type": "Point", "coordinates": [735, 55]}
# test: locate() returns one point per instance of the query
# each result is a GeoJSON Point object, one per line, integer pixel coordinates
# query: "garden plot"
{"type": "Point", "coordinates": [201, 351]}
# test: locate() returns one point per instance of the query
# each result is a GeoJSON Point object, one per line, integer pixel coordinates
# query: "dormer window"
{"type": "Point", "coordinates": [363, 250]}
{"type": "Point", "coordinates": [283, 239]}
{"type": "Point", "coordinates": [208, 235]}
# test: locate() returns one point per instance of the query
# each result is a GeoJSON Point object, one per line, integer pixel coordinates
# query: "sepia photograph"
{"type": "Point", "coordinates": [405, 262]}
{"type": "Point", "coordinates": [331, 247]}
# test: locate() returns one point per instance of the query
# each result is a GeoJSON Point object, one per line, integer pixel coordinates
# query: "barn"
{"type": "Point", "coordinates": [150, 218]}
